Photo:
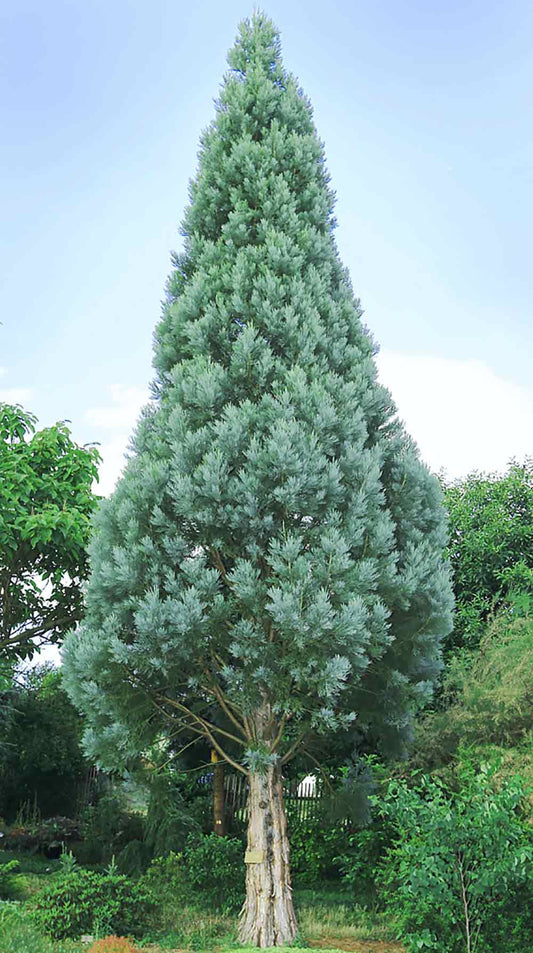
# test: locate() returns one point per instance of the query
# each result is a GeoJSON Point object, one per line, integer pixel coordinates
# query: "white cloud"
{"type": "Point", "coordinates": [463, 416]}
{"type": "Point", "coordinates": [117, 419]}
{"type": "Point", "coordinates": [16, 395]}
{"type": "Point", "coordinates": [125, 406]}
{"type": "Point", "coordinates": [113, 462]}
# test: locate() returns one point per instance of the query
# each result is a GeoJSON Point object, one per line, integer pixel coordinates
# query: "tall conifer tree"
{"type": "Point", "coordinates": [270, 564]}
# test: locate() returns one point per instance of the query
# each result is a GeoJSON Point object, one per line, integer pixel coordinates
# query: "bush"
{"type": "Point", "coordinates": [107, 828]}
{"type": "Point", "coordinates": [166, 878]}
{"type": "Point", "coordinates": [361, 858]}
{"type": "Point", "coordinates": [215, 867]}
{"type": "Point", "coordinates": [209, 870]}
{"type": "Point", "coordinates": [6, 878]}
{"type": "Point", "coordinates": [170, 818]}
{"type": "Point", "coordinates": [490, 545]}
{"type": "Point", "coordinates": [112, 944]}
{"type": "Point", "coordinates": [315, 844]}
{"type": "Point", "coordinates": [41, 760]}
{"type": "Point", "coordinates": [133, 859]}
{"type": "Point", "coordinates": [460, 871]}
{"type": "Point", "coordinates": [87, 902]}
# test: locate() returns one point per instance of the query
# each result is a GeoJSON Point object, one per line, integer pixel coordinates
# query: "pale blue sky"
{"type": "Point", "coordinates": [426, 112]}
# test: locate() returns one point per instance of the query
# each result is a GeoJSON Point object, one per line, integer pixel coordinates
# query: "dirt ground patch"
{"type": "Point", "coordinates": [356, 946]}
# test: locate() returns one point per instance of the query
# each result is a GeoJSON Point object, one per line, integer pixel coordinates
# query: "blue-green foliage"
{"type": "Point", "coordinates": [275, 539]}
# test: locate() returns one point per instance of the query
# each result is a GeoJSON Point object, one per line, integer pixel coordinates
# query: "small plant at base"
{"type": "Point", "coordinates": [67, 862]}
{"type": "Point", "coordinates": [6, 875]}
{"type": "Point", "coordinates": [112, 944]}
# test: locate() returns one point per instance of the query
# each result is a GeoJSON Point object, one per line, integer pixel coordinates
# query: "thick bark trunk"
{"type": "Point", "coordinates": [267, 917]}
{"type": "Point", "coordinates": [219, 811]}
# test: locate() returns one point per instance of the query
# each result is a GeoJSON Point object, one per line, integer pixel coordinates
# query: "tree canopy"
{"type": "Point", "coordinates": [46, 502]}
{"type": "Point", "coordinates": [41, 761]}
{"type": "Point", "coordinates": [490, 546]}
{"type": "Point", "coordinates": [271, 563]}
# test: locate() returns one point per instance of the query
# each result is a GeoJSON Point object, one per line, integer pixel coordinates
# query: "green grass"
{"type": "Point", "coordinates": [33, 873]}
{"type": "Point", "coordinates": [328, 915]}
{"type": "Point", "coordinates": [18, 934]}
{"type": "Point", "coordinates": [30, 863]}
{"type": "Point", "coordinates": [331, 911]}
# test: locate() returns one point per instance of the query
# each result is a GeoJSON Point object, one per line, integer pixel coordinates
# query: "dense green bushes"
{"type": "Point", "coordinates": [41, 761]}
{"type": "Point", "coordinates": [107, 828]}
{"type": "Point", "coordinates": [6, 878]}
{"type": "Point", "coordinates": [459, 873]}
{"type": "Point", "coordinates": [487, 705]}
{"type": "Point", "coordinates": [210, 871]}
{"type": "Point", "coordinates": [314, 846]}
{"type": "Point", "coordinates": [490, 546]}
{"type": "Point", "coordinates": [87, 902]}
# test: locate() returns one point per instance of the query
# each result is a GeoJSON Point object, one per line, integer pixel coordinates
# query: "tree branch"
{"type": "Point", "coordinates": [293, 748]}
{"type": "Point", "coordinates": [321, 769]}
{"type": "Point", "coordinates": [202, 721]}
{"type": "Point", "coordinates": [217, 691]}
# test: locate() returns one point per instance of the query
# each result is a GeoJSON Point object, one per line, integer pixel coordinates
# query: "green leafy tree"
{"type": "Point", "coordinates": [487, 705]}
{"type": "Point", "coordinates": [41, 760]}
{"type": "Point", "coordinates": [270, 565]}
{"type": "Point", "coordinates": [459, 876]}
{"type": "Point", "coordinates": [491, 545]}
{"type": "Point", "coordinates": [45, 506]}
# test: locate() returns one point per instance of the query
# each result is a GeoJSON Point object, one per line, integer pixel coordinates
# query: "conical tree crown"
{"type": "Point", "coordinates": [259, 256]}
{"type": "Point", "coordinates": [275, 539]}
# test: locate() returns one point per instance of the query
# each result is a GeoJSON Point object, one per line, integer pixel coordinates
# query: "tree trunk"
{"type": "Point", "coordinates": [267, 917]}
{"type": "Point", "coordinates": [219, 811]}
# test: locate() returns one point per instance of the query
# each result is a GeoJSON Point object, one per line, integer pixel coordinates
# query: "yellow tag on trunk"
{"type": "Point", "coordinates": [254, 857]}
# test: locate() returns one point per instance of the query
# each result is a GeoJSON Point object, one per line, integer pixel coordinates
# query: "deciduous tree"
{"type": "Point", "coordinates": [491, 545]}
{"type": "Point", "coordinates": [46, 502]}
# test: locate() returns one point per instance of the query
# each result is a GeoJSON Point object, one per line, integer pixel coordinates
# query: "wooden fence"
{"type": "Point", "coordinates": [302, 798]}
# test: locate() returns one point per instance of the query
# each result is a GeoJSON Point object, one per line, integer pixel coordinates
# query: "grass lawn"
{"type": "Point", "coordinates": [328, 919]}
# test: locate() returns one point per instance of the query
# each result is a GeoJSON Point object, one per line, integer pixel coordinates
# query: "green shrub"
{"type": "Point", "coordinates": [6, 878]}
{"type": "Point", "coordinates": [87, 902]}
{"type": "Point", "coordinates": [133, 859]}
{"type": "Point", "coordinates": [42, 762]}
{"type": "Point", "coordinates": [460, 872]}
{"type": "Point", "coordinates": [361, 857]}
{"type": "Point", "coordinates": [166, 878]}
{"type": "Point", "coordinates": [170, 818]}
{"type": "Point", "coordinates": [210, 870]}
{"type": "Point", "coordinates": [314, 845]}
{"type": "Point", "coordinates": [490, 545]}
{"type": "Point", "coordinates": [215, 868]}
{"type": "Point", "coordinates": [107, 828]}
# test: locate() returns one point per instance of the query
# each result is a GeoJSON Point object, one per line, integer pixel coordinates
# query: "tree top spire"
{"type": "Point", "coordinates": [257, 46]}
